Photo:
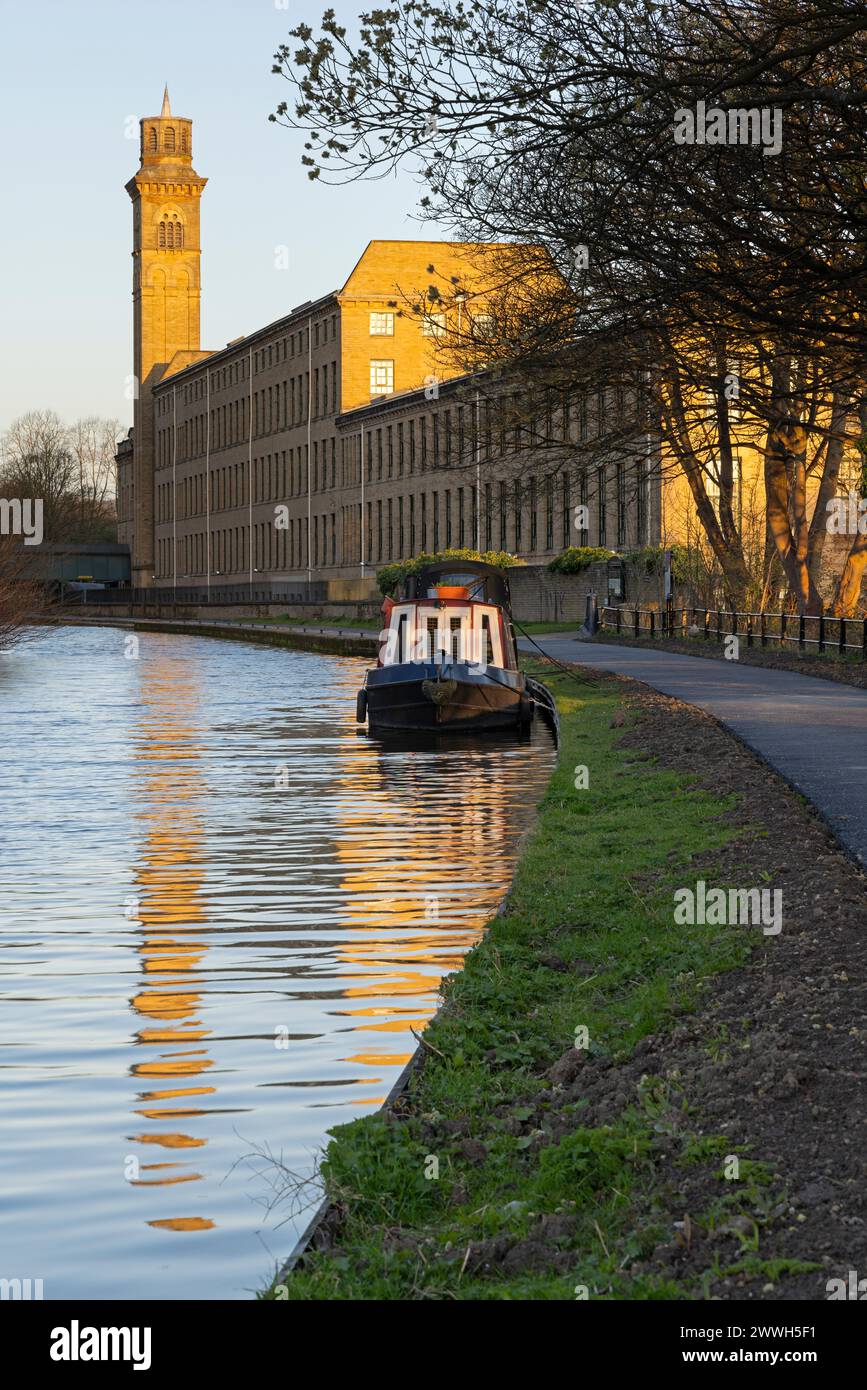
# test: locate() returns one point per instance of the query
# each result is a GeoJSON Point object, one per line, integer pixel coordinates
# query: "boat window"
{"type": "Point", "coordinates": [401, 637]}
{"type": "Point", "coordinates": [455, 642]}
{"type": "Point", "coordinates": [433, 638]}
{"type": "Point", "coordinates": [488, 641]}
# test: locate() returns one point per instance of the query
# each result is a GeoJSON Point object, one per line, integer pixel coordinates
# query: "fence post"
{"type": "Point", "coordinates": [821, 632]}
{"type": "Point", "coordinates": [842, 636]}
{"type": "Point", "coordinates": [802, 632]}
{"type": "Point", "coordinates": [749, 629]}
{"type": "Point", "coordinates": [637, 616]}
{"type": "Point", "coordinates": [652, 623]}
{"type": "Point", "coordinates": [719, 624]}
{"type": "Point", "coordinates": [763, 629]}
{"type": "Point", "coordinates": [706, 624]}
{"type": "Point", "coordinates": [783, 620]}
{"type": "Point", "coordinates": [618, 620]}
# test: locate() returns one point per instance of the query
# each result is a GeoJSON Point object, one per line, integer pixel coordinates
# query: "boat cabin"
{"type": "Point", "coordinates": [450, 613]}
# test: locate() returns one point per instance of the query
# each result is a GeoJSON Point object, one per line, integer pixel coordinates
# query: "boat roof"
{"type": "Point", "coordinates": [496, 585]}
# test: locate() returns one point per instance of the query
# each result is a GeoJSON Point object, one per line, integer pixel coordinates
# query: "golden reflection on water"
{"type": "Point", "coordinates": [405, 908]}
{"type": "Point", "coordinates": [419, 872]}
{"type": "Point", "coordinates": [169, 876]}
{"type": "Point", "coordinates": [214, 964]}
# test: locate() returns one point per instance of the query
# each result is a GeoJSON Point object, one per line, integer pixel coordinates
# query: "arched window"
{"type": "Point", "coordinates": [184, 141]}
{"type": "Point", "coordinates": [170, 139]}
{"type": "Point", "coordinates": [170, 234]}
{"type": "Point", "coordinates": [152, 139]}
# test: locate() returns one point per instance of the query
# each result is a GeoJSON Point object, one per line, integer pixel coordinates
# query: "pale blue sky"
{"type": "Point", "coordinates": [72, 73]}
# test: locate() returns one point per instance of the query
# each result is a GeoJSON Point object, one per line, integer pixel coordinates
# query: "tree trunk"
{"type": "Point", "coordinates": [785, 487]}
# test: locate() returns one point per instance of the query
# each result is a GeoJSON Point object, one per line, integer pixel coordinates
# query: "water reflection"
{"type": "Point", "coordinates": [249, 910]}
{"type": "Point", "coordinates": [169, 907]}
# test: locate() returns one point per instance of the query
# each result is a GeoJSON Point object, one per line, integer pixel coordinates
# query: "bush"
{"type": "Point", "coordinates": [576, 558]}
{"type": "Point", "coordinates": [391, 577]}
{"type": "Point", "coordinates": [651, 561]}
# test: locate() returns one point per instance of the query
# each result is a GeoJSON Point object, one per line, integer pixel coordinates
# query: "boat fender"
{"type": "Point", "coordinates": [361, 706]}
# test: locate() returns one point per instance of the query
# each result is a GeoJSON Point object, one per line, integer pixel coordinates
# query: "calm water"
{"type": "Point", "coordinates": [223, 910]}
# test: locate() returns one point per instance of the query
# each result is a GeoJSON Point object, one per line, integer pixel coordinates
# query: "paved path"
{"type": "Point", "coordinates": [812, 731]}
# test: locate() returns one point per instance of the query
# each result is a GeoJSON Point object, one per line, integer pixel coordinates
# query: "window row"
{"type": "Point", "coordinates": [433, 325]}
{"type": "Point", "coordinates": [527, 516]}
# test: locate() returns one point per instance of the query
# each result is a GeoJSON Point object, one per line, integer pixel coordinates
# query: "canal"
{"type": "Point", "coordinates": [224, 909]}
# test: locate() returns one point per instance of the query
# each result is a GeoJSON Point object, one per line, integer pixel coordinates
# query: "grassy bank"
{"type": "Point", "coordinates": [517, 1165]}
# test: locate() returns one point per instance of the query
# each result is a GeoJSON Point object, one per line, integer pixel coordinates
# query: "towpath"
{"type": "Point", "coordinates": [813, 731]}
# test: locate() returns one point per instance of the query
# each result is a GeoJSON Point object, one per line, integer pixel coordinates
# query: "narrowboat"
{"type": "Point", "coordinates": [448, 660]}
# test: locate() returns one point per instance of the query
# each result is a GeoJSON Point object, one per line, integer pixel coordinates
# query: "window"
{"type": "Point", "coordinates": [382, 325]}
{"type": "Point", "coordinates": [433, 325]}
{"type": "Point", "coordinates": [483, 327]}
{"type": "Point", "coordinates": [152, 140]}
{"type": "Point", "coordinates": [381, 377]}
{"type": "Point", "coordinates": [185, 145]}
{"type": "Point", "coordinates": [567, 520]}
{"type": "Point", "coordinates": [170, 234]}
{"type": "Point", "coordinates": [170, 139]}
{"type": "Point", "coordinates": [549, 513]}
{"type": "Point", "coordinates": [641, 498]}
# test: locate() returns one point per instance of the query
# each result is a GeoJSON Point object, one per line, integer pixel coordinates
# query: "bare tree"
{"type": "Point", "coordinates": [23, 599]}
{"type": "Point", "coordinates": [93, 445]}
{"type": "Point", "coordinates": [553, 128]}
{"type": "Point", "coordinates": [38, 464]}
{"type": "Point", "coordinates": [71, 469]}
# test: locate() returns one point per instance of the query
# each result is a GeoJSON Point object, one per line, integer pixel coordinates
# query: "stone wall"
{"type": "Point", "coordinates": [540, 596]}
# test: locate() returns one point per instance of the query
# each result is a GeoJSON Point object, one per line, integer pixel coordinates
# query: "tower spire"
{"type": "Point", "coordinates": [167, 110]}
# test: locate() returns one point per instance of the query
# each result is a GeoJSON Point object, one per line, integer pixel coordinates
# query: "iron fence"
{"type": "Point", "coordinates": [202, 596]}
{"type": "Point", "coordinates": [843, 635]}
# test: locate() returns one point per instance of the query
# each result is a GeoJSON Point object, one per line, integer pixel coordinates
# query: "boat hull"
{"type": "Point", "coordinates": [453, 699]}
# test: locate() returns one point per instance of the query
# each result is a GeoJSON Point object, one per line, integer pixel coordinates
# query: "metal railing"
{"type": "Point", "coordinates": [201, 596]}
{"type": "Point", "coordinates": [825, 634]}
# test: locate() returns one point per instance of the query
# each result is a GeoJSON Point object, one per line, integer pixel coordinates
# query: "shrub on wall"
{"type": "Point", "coordinates": [650, 561]}
{"type": "Point", "coordinates": [576, 558]}
{"type": "Point", "coordinates": [391, 577]}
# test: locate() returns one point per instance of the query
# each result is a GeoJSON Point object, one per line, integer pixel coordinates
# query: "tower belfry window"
{"type": "Point", "coordinates": [152, 140]}
{"type": "Point", "coordinates": [170, 139]}
{"type": "Point", "coordinates": [170, 234]}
